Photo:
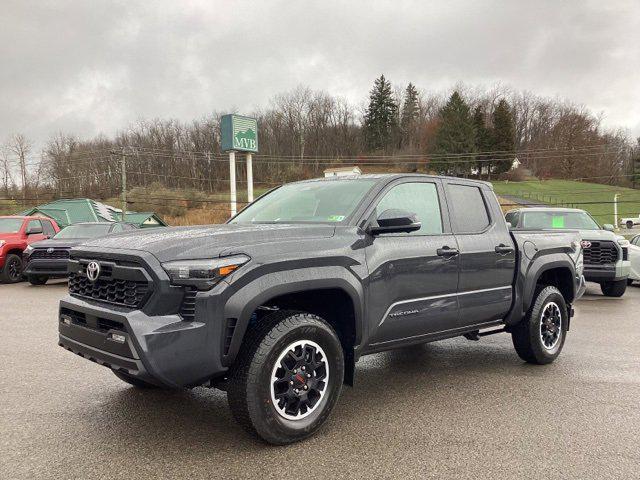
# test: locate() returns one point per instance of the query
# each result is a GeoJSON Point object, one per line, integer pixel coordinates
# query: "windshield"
{"type": "Point", "coordinates": [83, 231]}
{"type": "Point", "coordinates": [559, 220]}
{"type": "Point", "coordinates": [10, 225]}
{"type": "Point", "coordinates": [316, 202]}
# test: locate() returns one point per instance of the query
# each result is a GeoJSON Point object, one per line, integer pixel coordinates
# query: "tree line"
{"type": "Point", "coordinates": [466, 131]}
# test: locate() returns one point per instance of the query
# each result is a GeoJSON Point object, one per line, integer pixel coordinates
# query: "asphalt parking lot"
{"type": "Point", "coordinates": [452, 409]}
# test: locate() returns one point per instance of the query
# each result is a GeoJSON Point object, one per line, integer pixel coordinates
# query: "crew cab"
{"type": "Point", "coordinates": [606, 255]}
{"type": "Point", "coordinates": [48, 258]}
{"type": "Point", "coordinates": [16, 233]}
{"type": "Point", "coordinates": [277, 305]}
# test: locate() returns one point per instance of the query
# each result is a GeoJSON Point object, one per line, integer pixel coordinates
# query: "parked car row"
{"type": "Point", "coordinates": [37, 249]}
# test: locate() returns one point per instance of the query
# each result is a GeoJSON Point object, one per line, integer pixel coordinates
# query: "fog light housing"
{"type": "Point", "coordinates": [66, 319]}
{"type": "Point", "coordinates": [116, 337]}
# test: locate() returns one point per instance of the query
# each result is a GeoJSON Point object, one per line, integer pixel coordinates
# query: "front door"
{"type": "Point", "coordinates": [413, 276]}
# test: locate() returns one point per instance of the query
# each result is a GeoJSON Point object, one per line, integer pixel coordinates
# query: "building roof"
{"type": "Point", "coordinates": [75, 210]}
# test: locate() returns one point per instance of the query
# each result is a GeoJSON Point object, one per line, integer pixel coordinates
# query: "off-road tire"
{"type": "Point", "coordinates": [7, 274]}
{"type": "Point", "coordinates": [614, 289]}
{"type": "Point", "coordinates": [629, 225]}
{"type": "Point", "coordinates": [526, 335]}
{"type": "Point", "coordinates": [37, 279]}
{"type": "Point", "coordinates": [249, 382]}
{"type": "Point", "coordinates": [629, 282]}
{"type": "Point", "coordinates": [134, 381]}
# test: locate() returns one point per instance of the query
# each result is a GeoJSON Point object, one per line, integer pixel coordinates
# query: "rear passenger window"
{"type": "Point", "coordinates": [47, 228]}
{"type": "Point", "coordinates": [469, 209]}
{"type": "Point", "coordinates": [419, 198]}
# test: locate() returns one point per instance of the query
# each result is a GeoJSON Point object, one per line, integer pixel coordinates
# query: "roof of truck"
{"type": "Point", "coordinates": [546, 209]}
{"type": "Point", "coordinates": [380, 176]}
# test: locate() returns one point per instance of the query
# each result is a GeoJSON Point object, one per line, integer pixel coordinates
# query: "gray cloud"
{"type": "Point", "coordinates": [95, 67]}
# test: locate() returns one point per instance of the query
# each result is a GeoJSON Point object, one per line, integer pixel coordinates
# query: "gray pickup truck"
{"type": "Point", "coordinates": [277, 305]}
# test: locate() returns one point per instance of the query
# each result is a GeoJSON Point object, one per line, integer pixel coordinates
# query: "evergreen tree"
{"type": "Point", "coordinates": [409, 115]}
{"type": "Point", "coordinates": [484, 138]}
{"type": "Point", "coordinates": [504, 139]}
{"type": "Point", "coordinates": [381, 118]}
{"type": "Point", "coordinates": [456, 134]}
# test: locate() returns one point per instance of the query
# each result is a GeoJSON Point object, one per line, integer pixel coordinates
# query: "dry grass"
{"type": "Point", "coordinates": [200, 216]}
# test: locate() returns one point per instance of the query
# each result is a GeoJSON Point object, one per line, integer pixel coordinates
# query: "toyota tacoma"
{"type": "Point", "coordinates": [277, 305]}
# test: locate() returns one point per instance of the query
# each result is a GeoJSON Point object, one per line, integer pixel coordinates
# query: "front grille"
{"type": "Point", "coordinates": [123, 283]}
{"type": "Point", "coordinates": [44, 253]}
{"type": "Point", "coordinates": [601, 253]}
{"type": "Point", "coordinates": [127, 293]}
{"type": "Point", "coordinates": [188, 305]}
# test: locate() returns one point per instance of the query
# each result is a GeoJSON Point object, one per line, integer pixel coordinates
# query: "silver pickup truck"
{"type": "Point", "coordinates": [606, 255]}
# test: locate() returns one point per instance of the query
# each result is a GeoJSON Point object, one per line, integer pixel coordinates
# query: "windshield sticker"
{"type": "Point", "coordinates": [336, 218]}
{"type": "Point", "coordinates": [557, 222]}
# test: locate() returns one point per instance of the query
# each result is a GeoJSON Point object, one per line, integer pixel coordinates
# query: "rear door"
{"type": "Point", "coordinates": [412, 282]}
{"type": "Point", "coordinates": [487, 252]}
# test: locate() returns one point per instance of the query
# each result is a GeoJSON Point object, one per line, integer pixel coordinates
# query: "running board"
{"type": "Point", "coordinates": [475, 336]}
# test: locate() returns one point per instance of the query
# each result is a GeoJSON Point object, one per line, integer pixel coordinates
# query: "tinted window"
{"type": "Point", "coordinates": [48, 228]}
{"type": "Point", "coordinates": [636, 240]}
{"type": "Point", "coordinates": [558, 219]}
{"type": "Point", "coordinates": [419, 198]}
{"type": "Point", "coordinates": [469, 210]}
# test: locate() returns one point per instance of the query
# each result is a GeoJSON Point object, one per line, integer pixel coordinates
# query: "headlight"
{"type": "Point", "coordinates": [28, 250]}
{"type": "Point", "coordinates": [205, 273]}
{"type": "Point", "coordinates": [623, 242]}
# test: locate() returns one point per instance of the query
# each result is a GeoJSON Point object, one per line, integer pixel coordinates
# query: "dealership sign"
{"type": "Point", "coordinates": [238, 133]}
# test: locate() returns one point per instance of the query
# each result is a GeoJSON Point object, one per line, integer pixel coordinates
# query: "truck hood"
{"type": "Point", "coordinates": [60, 243]}
{"type": "Point", "coordinates": [10, 237]}
{"type": "Point", "coordinates": [599, 235]}
{"type": "Point", "coordinates": [206, 241]}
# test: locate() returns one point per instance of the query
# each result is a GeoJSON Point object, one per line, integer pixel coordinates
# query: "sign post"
{"type": "Point", "coordinates": [239, 134]}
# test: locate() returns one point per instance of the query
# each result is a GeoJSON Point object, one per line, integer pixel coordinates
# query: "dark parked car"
{"type": "Point", "coordinates": [48, 258]}
{"type": "Point", "coordinates": [277, 305]}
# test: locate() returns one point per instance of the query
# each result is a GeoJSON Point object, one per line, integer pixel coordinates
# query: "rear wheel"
{"type": "Point", "coordinates": [614, 289]}
{"type": "Point", "coordinates": [133, 380]}
{"type": "Point", "coordinates": [540, 336]}
{"type": "Point", "coordinates": [12, 271]}
{"type": "Point", "coordinates": [38, 279]}
{"type": "Point", "coordinates": [629, 224]}
{"type": "Point", "coordinates": [287, 377]}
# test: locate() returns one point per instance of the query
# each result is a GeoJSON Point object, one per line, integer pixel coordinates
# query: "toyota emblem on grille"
{"type": "Point", "coordinates": [93, 271]}
{"type": "Point", "coordinates": [49, 250]}
{"type": "Point", "coordinates": [585, 244]}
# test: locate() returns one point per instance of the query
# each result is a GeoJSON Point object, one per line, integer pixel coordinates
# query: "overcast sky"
{"type": "Point", "coordinates": [89, 67]}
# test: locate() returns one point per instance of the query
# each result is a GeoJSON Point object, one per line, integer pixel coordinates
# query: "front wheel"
{"type": "Point", "coordinates": [12, 271]}
{"type": "Point", "coordinates": [38, 279]}
{"type": "Point", "coordinates": [614, 289]}
{"type": "Point", "coordinates": [629, 225]}
{"type": "Point", "coordinates": [287, 377]}
{"type": "Point", "coordinates": [540, 336]}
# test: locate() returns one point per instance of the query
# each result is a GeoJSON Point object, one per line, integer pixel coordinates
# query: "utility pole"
{"type": "Point", "coordinates": [615, 211]}
{"type": "Point", "coordinates": [123, 169]}
{"type": "Point", "coordinates": [232, 182]}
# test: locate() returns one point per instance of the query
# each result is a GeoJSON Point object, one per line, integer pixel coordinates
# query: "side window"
{"type": "Point", "coordinates": [419, 198]}
{"type": "Point", "coordinates": [34, 224]}
{"type": "Point", "coordinates": [469, 209]}
{"type": "Point", "coordinates": [636, 240]}
{"type": "Point", "coordinates": [512, 218]}
{"type": "Point", "coordinates": [47, 228]}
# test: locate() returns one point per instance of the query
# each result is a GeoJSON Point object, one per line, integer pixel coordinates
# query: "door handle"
{"type": "Point", "coordinates": [447, 252]}
{"type": "Point", "coordinates": [503, 249]}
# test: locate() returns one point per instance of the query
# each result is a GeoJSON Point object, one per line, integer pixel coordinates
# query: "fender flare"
{"type": "Point", "coordinates": [535, 271]}
{"type": "Point", "coordinates": [246, 300]}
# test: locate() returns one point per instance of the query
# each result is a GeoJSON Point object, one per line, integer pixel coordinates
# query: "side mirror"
{"type": "Point", "coordinates": [33, 230]}
{"type": "Point", "coordinates": [395, 221]}
{"type": "Point", "coordinates": [510, 226]}
{"type": "Point", "coordinates": [608, 227]}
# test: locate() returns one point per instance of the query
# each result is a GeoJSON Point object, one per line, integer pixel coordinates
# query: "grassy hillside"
{"type": "Point", "coordinates": [595, 198]}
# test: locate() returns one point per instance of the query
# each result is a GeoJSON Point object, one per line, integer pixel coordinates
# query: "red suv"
{"type": "Point", "coordinates": [15, 234]}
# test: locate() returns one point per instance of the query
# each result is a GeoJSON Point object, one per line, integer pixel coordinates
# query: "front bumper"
{"type": "Point", "coordinates": [163, 350]}
{"type": "Point", "coordinates": [607, 273]}
{"type": "Point", "coordinates": [50, 268]}
{"type": "Point", "coordinates": [582, 287]}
